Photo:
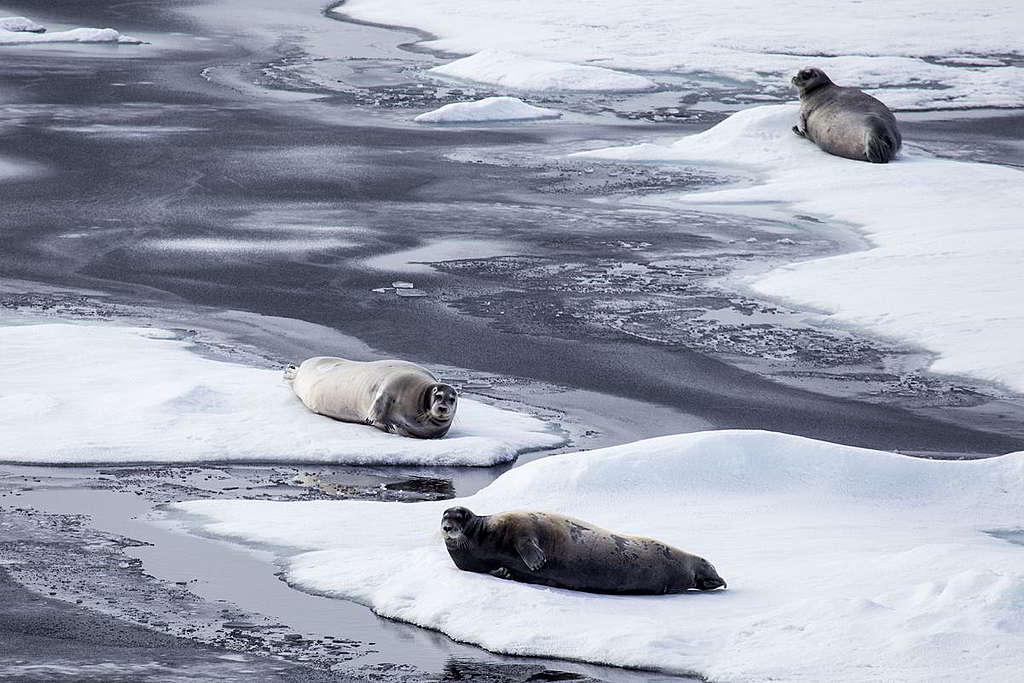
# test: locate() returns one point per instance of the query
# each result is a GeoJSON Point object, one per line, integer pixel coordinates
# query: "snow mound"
{"type": "Point", "coordinates": [20, 24]}
{"type": "Point", "coordinates": [905, 48]}
{"type": "Point", "coordinates": [108, 394]}
{"type": "Point", "coordinates": [488, 109]}
{"type": "Point", "coordinates": [843, 564]}
{"type": "Point", "coordinates": [514, 71]}
{"type": "Point", "coordinates": [947, 236]}
{"type": "Point", "coordinates": [75, 35]}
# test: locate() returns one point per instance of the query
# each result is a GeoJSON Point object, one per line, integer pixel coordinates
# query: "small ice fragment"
{"type": "Point", "coordinates": [383, 290]}
{"type": "Point", "coordinates": [402, 285]}
{"type": "Point", "coordinates": [410, 292]}
{"type": "Point", "coordinates": [784, 240]}
{"type": "Point", "coordinates": [751, 239]}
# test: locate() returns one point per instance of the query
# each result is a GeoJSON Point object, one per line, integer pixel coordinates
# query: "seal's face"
{"type": "Point", "coordinates": [454, 521]}
{"type": "Point", "coordinates": [705, 577]}
{"type": "Point", "coordinates": [809, 79]}
{"type": "Point", "coordinates": [441, 402]}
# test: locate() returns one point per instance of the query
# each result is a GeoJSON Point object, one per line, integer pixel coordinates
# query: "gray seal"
{"type": "Point", "coordinates": [554, 550]}
{"type": "Point", "coordinates": [392, 395]}
{"type": "Point", "coordinates": [846, 122]}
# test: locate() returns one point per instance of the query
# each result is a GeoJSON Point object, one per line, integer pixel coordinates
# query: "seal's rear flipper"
{"type": "Point", "coordinates": [290, 372]}
{"type": "Point", "coordinates": [879, 145]}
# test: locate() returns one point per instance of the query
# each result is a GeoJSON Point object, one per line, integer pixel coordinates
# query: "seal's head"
{"type": "Point", "coordinates": [441, 400]}
{"type": "Point", "coordinates": [705, 578]}
{"type": "Point", "coordinates": [810, 79]}
{"type": "Point", "coordinates": [454, 522]}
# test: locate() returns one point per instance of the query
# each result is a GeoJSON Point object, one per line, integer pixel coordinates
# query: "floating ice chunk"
{"type": "Point", "coordinates": [399, 284]}
{"type": "Point", "coordinates": [510, 70]}
{"type": "Point", "coordinates": [75, 35]}
{"type": "Point", "coordinates": [413, 293]}
{"type": "Point", "coordinates": [488, 109]}
{"type": "Point", "coordinates": [844, 564]}
{"type": "Point", "coordinates": [20, 25]}
{"type": "Point", "coordinates": [108, 394]}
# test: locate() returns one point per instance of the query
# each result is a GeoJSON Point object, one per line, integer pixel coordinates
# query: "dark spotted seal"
{"type": "Point", "coordinates": [553, 550]}
{"type": "Point", "coordinates": [392, 395]}
{"type": "Point", "coordinates": [845, 121]}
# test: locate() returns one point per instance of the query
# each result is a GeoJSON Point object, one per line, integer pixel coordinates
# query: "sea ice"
{"type": "Point", "coordinates": [895, 46]}
{"type": "Point", "coordinates": [518, 72]}
{"type": "Point", "coordinates": [487, 109]}
{"type": "Point", "coordinates": [843, 564]}
{"type": "Point", "coordinates": [75, 35]}
{"type": "Point", "coordinates": [20, 24]}
{"type": "Point", "coordinates": [947, 237]}
{"type": "Point", "coordinates": [110, 393]}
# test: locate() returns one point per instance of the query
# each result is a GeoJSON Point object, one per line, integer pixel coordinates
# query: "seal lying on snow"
{"type": "Point", "coordinates": [845, 121]}
{"type": "Point", "coordinates": [391, 395]}
{"type": "Point", "coordinates": [549, 549]}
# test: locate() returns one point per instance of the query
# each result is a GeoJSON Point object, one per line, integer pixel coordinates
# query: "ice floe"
{"type": "Point", "coordinates": [947, 238]}
{"type": "Point", "coordinates": [20, 24]}
{"type": "Point", "coordinates": [24, 31]}
{"type": "Point", "coordinates": [844, 564]}
{"type": "Point", "coordinates": [488, 109]}
{"type": "Point", "coordinates": [518, 72]}
{"type": "Point", "coordinates": [904, 47]}
{"type": "Point", "coordinates": [75, 35]}
{"type": "Point", "coordinates": [110, 393]}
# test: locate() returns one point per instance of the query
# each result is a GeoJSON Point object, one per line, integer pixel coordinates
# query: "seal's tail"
{"type": "Point", "coordinates": [290, 372]}
{"type": "Point", "coordinates": [879, 145]}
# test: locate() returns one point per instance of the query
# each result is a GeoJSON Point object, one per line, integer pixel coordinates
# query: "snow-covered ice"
{"type": "Point", "coordinates": [24, 31]}
{"type": "Point", "coordinates": [518, 72]}
{"type": "Point", "coordinates": [947, 238]}
{"type": "Point", "coordinates": [19, 24]}
{"type": "Point", "coordinates": [109, 393]}
{"type": "Point", "coordinates": [487, 109]}
{"type": "Point", "coordinates": [898, 46]}
{"type": "Point", "coordinates": [844, 564]}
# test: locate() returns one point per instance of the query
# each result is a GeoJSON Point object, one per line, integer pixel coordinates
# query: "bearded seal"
{"type": "Point", "coordinates": [392, 395]}
{"type": "Point", "coordinates": [845, 121]}
{"type": "Point", "coordinates": [559, 551]}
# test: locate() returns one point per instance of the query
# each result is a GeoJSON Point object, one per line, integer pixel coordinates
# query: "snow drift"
{"type": "Point", "coordinates": [843, 564]}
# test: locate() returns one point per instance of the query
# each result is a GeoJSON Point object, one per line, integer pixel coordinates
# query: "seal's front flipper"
{"type": "Point", "coordinates": [501, 573]}
{"type": "Point", "coordinates": [796, 129]}
{"type": "Point", "coordinates": [531, 553]}
{"type": "Point", "coordinates": [379, 412]}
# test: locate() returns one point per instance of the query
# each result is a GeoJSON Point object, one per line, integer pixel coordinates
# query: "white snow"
{"type": "Point", "coordinates": [518, 72]}
{"type": "Point", "coordinates": [843, 564]}
{"type": "Point", "coordinates": [109, 393]}
{"type": "Point", "coordinates": [871, 43]}
{"type": "Point", "coordinates": [488, 109]}
{"type": "Point", "coordinates": [75, 35]}
{"type": "Point", "coordinates": [947, 238]}
{"type": "Point", "coordinates": [20, 24]}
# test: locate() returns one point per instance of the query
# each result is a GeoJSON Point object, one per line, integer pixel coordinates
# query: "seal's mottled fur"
{"type": "Point", "coordinates": [553, 550]}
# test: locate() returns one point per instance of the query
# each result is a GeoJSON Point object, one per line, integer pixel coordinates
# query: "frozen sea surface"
{"type": "Point", "coordinates": [947, 238]}
{"type": "Point", "coordinates": [906, 49]}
